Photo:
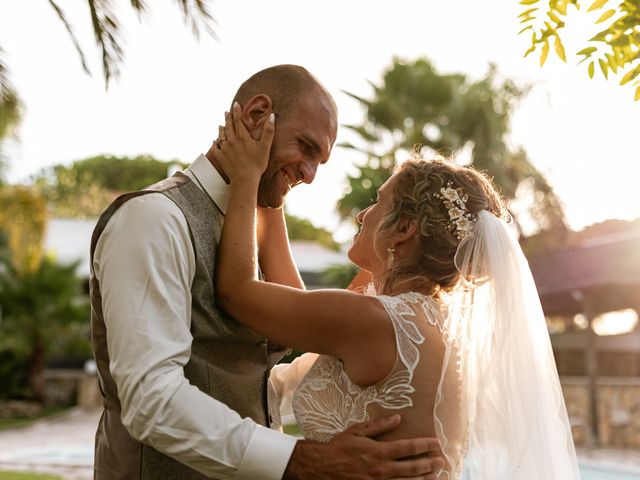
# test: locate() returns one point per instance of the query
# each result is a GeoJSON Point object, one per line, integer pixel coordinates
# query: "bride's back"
{"type": "Point", "coordinates": [327, 401]}
{"type": "Point", "coordinates": [418, 418]}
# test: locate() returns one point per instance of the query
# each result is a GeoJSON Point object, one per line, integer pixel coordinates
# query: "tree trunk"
{"type": "Point", "coordinates": [36, 373]}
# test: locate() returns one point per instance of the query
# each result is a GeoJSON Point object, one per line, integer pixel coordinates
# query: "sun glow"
{"type": "Point", "coordinates": [615, 323]}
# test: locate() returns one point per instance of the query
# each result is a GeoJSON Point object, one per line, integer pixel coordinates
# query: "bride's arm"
{"type": "Point", "coordinates": [274, 251]}
{"type": "Point", "coordinates": [335, 322]}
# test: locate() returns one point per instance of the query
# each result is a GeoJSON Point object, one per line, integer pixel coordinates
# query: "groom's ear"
{"type": "Point", "coordinates": [255, 113]}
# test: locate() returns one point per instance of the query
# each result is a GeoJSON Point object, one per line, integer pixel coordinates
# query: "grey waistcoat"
{"type": "Point", "coordinates": [229, 361]}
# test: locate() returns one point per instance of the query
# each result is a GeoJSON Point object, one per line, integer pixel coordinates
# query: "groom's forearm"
{"type": "Point", "coordinates": [305, 457]}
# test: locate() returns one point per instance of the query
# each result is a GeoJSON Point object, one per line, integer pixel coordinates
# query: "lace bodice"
{"type": "Point", "coordinates": [327, 402]}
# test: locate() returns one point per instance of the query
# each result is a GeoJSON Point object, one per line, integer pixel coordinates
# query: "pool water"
{"type": "Point", "coordinates": [591, 472]}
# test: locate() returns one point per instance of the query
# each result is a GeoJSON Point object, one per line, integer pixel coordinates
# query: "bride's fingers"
{"type": "Point", "coordinates": [236, 114]}
{"type": "Point", "coordinates": [267, 132]}
{"type": "Point", "coordinates": [229, 124]}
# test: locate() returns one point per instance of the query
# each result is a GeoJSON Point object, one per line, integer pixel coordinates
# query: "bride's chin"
{"type": "Point", "coordinates": [355, 259]}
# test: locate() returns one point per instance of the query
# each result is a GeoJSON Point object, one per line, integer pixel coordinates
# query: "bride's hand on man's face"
{"type": "Point", "coordinates": [240, 155]}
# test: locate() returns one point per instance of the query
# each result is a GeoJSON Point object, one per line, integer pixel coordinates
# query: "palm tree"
{"type": "Point", "coordinates": [39, 308]}
{"type": "Point", "coordinates": [107, 32]}
{"type": "Point", "coordinates": [9, 110]}
{"type": "Point", "coordinates": [416, 105]}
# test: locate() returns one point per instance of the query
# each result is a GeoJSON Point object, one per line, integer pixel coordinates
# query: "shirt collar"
{"type": "Point", "coordinates": [210, 180]}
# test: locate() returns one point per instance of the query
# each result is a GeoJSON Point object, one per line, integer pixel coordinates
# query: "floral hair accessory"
{"type": "Point", "coordinates": [460, 220]}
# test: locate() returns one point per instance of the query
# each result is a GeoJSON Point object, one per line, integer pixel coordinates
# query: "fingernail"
{"type": "Point", "coordinates": [236, 105]}
{"type": "Point", "coordinates": [226, 114]}
{"type": "Point", "coordinates": [272, 118]}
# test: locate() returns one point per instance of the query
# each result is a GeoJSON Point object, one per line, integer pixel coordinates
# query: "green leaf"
{"type": "Point", "coordinates": [544, 53]}
{"type": "Point", "coordinates": [591, 70]}
{"type": "Point", "coordinates": [559, 49]}
{"type": "Point", "coordinates": [561, 7]}
{"type": "Point", "coordinates": [526, 13]}
{"type": "Point", "coordinates": [613, 63]}
{"type": "Point", "coordinates": [554, 17]}
{"type": "Point", "coordinates": [528, 2]}
{"type": "Point", "coordinates": [606, 15]}
{"type": "Point", "coordinates": [600, 37]}
{"type": "Point", "coordinates": [587, 51]}
{"type": "Point", "coordinates": [603, 67]}
{"type": "Point", "coordinates": [620, 41]}
{"type": "Point", "coordinates": [637, 97]}
{"type": "Point", "coordinates": [596, 5]}
{"type": "Point", "coordinates": [630, 75]}
{"type": "Point", "coordinates": [525, 29]}
{"type": "Point", "coordinates": [531, 50]}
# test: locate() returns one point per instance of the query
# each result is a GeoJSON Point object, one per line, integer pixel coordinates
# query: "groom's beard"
{"type": "Point", "coordinates": [269, 194]}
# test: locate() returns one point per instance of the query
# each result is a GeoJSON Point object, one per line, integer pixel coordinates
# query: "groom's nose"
{"type": "Point", "coordinates": [308, 171]}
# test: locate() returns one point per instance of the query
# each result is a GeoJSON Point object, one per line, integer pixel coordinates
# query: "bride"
{"type": "Point", "coordinates": [454, 340]}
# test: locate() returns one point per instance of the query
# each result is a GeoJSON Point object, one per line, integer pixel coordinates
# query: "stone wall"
{"type": "Point", "coordinates": [618, 411]}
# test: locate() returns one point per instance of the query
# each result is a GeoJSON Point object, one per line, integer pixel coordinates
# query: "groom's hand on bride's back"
{"type": "Point", "coordinates": [354, 455]}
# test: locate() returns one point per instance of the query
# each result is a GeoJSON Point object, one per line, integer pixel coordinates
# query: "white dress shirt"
{"type": "Point", "coordinates": [145, 269]}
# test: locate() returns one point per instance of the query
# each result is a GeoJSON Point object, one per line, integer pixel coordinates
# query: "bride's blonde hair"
{"type": "Point", "coordinates": [417, 196]}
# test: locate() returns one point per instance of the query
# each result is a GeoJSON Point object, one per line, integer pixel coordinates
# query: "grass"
{"type": "Point", "coordinates": [292, 429]}
{"type": "Point", "coordinates": [9, 423]}
{"type": "Point", "coordinates": [27, 476]}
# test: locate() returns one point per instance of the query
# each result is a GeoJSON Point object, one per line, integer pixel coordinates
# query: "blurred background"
{"type": "Point", "coordinates": [100, 97]}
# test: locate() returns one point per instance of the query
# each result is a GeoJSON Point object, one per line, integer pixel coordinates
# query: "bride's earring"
{"type": "Point", "coordinates": [391, 251]}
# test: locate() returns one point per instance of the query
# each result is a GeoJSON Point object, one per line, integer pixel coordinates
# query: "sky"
{"type": "Point", "coordinates": [173, 89]}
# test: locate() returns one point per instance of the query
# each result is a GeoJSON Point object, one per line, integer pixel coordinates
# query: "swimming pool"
{"type": "Point", "coordinates": [591, 472]}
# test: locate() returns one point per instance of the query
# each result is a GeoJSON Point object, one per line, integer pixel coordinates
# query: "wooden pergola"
{"type": "Point", "coordinates": [596, 275]}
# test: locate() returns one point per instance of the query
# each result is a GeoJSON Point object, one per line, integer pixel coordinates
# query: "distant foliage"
{"type": "Point", "coordinates": [10, 112]}
{"type": "Point", "coordinates": [117, 173]}
{"type": "Point", "coordinates": [40, 309]}
{"type": "Point", "coordinates": [86, 187]}
{"type": "Point", "coordinates": [302, 229]}
{"type": "Point", "coordinates": [614, 50]}
{"type": "Point", "coordinates": [339, 276]}
{"type": "Point", "coordinates": [23, 216]}
{"type": "Point", "coordinates": [107, 31]}
{"type": "Point", "coordinates": [446, 114]}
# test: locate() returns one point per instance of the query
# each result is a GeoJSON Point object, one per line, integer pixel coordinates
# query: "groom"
{"type": "Point", "coordinates": [185, 387]}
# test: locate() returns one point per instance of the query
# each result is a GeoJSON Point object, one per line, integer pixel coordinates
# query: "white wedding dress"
{"type": "Point", "coordinates": [325, 401]}
{"type": "Point", "coordinates": [480, 372]}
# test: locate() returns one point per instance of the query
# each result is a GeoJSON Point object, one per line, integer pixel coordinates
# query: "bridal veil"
{"type": "Point", "coordinates": [500, 413]}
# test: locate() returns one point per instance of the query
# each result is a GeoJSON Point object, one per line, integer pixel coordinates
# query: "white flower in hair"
{"type": "Point", "coordinates": [460, 219]}
{"type": "Point", "coordinates": [455, 213]}
{"type": "Point", "coordinates": [464, 224]}
{"type": "Point", "coordinates": [450, 194]}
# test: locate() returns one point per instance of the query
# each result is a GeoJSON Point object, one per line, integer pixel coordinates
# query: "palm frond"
{"type": "Point", "coordinates": [10, 107]}
{"type": "Point", "coordinates": [140, 6]}
{"type": "Point", "coordinates": [74, 39]}
{"type": "Point", "coordinates": [107, 33]}
{"type": "Point", "coordinates": [196, 14]}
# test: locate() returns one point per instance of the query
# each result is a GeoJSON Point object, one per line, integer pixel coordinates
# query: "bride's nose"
{"type": "Point", "coordinates": [360, 215]}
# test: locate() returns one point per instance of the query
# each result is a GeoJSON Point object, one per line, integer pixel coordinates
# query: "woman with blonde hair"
{"type": "Point", "coordinates": [451, 336]}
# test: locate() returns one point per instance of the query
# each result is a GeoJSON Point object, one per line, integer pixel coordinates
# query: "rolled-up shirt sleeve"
{"type": "Point", "coordinates": [285, 378]}
{"type": "Point", "coordinates": [144, 263]}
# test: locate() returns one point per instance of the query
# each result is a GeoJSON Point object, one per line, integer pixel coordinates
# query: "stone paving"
{"type": "Point", "coordinates": [63, 445]}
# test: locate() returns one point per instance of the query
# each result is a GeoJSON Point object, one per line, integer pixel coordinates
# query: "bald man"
{"type": "Point", "coordinates": [185, 387]}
